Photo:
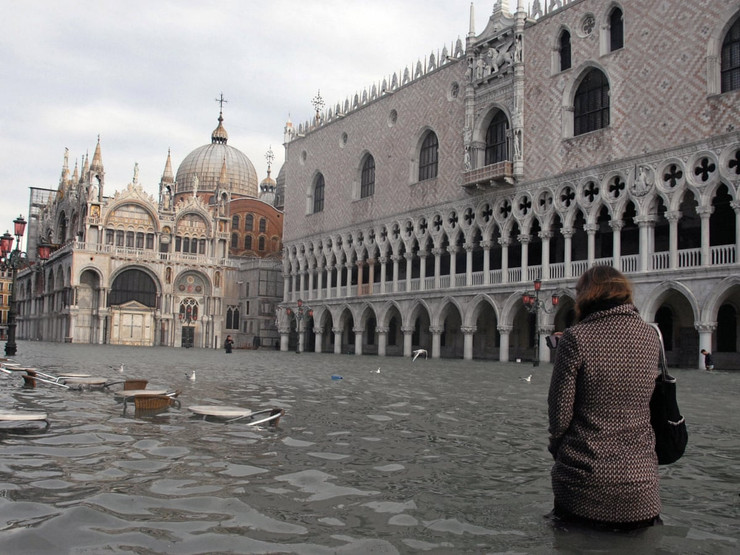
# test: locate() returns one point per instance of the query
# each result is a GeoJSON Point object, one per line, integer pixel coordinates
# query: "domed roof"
{"type": "Point", "coordinates": [207, 162]}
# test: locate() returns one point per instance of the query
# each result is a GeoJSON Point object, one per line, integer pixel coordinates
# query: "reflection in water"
{"type": "Point", "coordinates": [442, 456]}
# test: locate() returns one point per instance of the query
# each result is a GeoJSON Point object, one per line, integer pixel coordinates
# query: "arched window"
{"type": "Point", "coordinates": [263, 225]}
{"type": "Point", "coordinates": [261, 243]}
{"type": "Point", "coordinates": [248, 242]}
{"type": "Point", "coordinates": [591, 103]}
{"type": "Point", "coordinates": [235, 221]}
{"type": "Point", "coordinates": [731, 59]}
{"type": "Point", "coordinates": [616, 30]}
{"type": "Point", "coordinates": [234, 240]}
{"type": "Point", "coordinates": [133, 285]}
{"type": "Point", "coordinates": [496, 144]}
{"type": "Point", "coordinates": [367, 177]}
{"type": "Point", "coordinates": [564, 50]}
{"type": "Point", "coordinates": [318, 194]}
{"type": "Point", "coordinates": [428, 157]}
{"type": "Point", "coordinates": [248, 222]}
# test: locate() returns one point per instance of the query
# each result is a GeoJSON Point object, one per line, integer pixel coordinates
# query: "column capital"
{"type": "Point", "coordinates": [468, 330]}
{"type": "Point", "coordinates": [436, 330]}
{"type": "Point", "coordinates": [504, 329]}
{"type": "Point", "coordinates": [705, 326]}
{"type": "Point", "coordinates": [408, 330]}
{"type": "Point", "coordinates": [337, 330]}
{"type": "Point", "coordinates": [524, 239]}
{"type": "Point", "coordinates": [381, 329]}
{"type": "Point", "coordinates": [486, 244]}
{"type": "Point", "coordinates": [591, 229]}
{"type": "Point", "coordinates": [504, 241]}
{"type": "Point", "coordinates": [616, 225]}
{"type": "Point", "coordinates": [452, 249]}
{"type": "Point", "coordinates": [437, 252]}
{"type": "Point", "coordinates": [567, 233]}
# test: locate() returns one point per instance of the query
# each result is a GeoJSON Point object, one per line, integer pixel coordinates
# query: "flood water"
{"type": "Point", "coordinates": [434, 456]}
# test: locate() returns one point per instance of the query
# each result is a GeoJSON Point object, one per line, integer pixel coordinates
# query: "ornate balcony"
{"type": "Point", "coordinates": [493, 175]}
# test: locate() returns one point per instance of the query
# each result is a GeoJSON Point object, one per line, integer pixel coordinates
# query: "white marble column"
{"type": "Point", "coordinates": [469, 263]}
{"type": "Point", "coordinates": [437, 266]}
{"type": "Point", "coordinates": [422, 269]}
{"type": "Point", "coordinates": [358, 339]}
{"type": "Point", "coordinates": [407, 345]}
{"type": "Point", "coordinates": [617, 226]}
{"type": "Point", "coordinates": [318, 339]}
{"type": "Point", "coordinates": [567, 251]}
{"type": "Point", "coordinates": [436, 332]}
{"type": "Point", "coordinates": [383, 269]}
{"type": "Point", "coordinates": [382, 340]}
{"type": "Point", "coordinates": [504, 242]}
{"type": "Point", "coordinates": [453, 264]}
{"type": "Point", "coordinates": [591, 230]}
{"type": "Point", "coordinates": [468, 333]}
{"type": "Point", "coordinates": [704, 213]}
{"type": "Point", "coordinates": [337, 340]}
{"type": "Point", "coordinates": [673, 218]}
{"type": "Point", "coordinates": [524, 240]}
{"type": "Point", "coordinates": [396, 258]}
{"type": "Point", "coordinates": [545, 236]}
{"type": "Point", "coordinates": [486, 246]}
{"type": "Point", "coordinates": [705, 340]}
{"type": "Point", "coordinates": [504, 332]}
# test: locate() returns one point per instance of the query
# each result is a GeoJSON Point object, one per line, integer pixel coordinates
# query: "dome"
{"type": "Point", "coordinates": [207, 162]}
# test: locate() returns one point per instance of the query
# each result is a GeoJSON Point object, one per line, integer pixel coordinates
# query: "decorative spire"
{"type": "Point", "coordinates": [219, 135]}
{"type": "Point", "coordinates": [168, 176]}
{"type": "Point", "coordinates": [222, 179]}
{"type": "Point", "coordinates": [97, 162]}
{"type": "Point", "coordinates": [85, 166]}
{"type": "Point", "coordinates": [471, 30]}
{"type": "Point", "coordinates": [75, 174]}
{"type": "Point", "coordinates": [135, 180]}
{"type": "Point", "coordinates": [65, 168]}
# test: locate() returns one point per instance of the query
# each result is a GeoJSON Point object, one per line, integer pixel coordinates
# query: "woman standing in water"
{"type": "Point", "coordinates": [606, 470]}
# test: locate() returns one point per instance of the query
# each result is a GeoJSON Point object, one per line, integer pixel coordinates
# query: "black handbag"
{"type": "Point", "coordinates": [671, 435]}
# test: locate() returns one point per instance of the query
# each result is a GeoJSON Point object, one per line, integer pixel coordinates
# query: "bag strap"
{"type": "Point", "coordinates": [662, 361]}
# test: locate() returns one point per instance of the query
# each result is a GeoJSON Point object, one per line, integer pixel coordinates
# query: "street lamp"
{"type": "Point", "coordinates": [535, 305]}
{"type": "Point", "coordinates": [300, 311]}
{"type": "Point", "coordinates": [12, 259]}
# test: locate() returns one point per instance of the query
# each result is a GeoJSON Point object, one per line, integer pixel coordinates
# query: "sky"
{"type": "Point", "coordinates": [145, 76]}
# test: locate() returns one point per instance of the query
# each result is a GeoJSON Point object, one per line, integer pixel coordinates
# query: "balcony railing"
{"type": "Point", "coordinates": [722, 255]}
{"type": "Point", "coordinates": [488, 176]}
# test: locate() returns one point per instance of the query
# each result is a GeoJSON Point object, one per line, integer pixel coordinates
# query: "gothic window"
{"type": "Point", "coordinates": [616, 30]}
{"type": "Point", "coordinates": [318, 194]}
{"type": "Point", "coordinates": [109, 235]}
{"type": "Point", "coordinates": [248, 243]}
{"type": "Point", "coordinates": [235, 221]}
{"type": "Point", "coordinates": [428, 157]}
{"type": "Point", "coordinates": [133, 285]}
{"type": "Point", "coordinates": [232, 318]}
{"type": "Point", "coordinates": [130, 239]}
{"type": "Point", "coordinates": [248, 222]}
{"type": "Point", "coordinates": [178, 243]}
{"type": "Point", "coordinates": [261, 244]}
{"type": "Point", "coordinates": [202, 246]}
{"type": "Point", "coordinates": [564, 50]}
{"type": "Point", "coordinates": [367, 177]}
{"type": "Point", "coordinates": [139, 240]}
{"type": "Point", "coordinates": [496, 147]}
{"type": "Point", "coordinates": [186, 244]}
{"type": "Point", "coordinates": [150, 241]}
{"type": "Point", "coordinates": [731, 59]}
{"type": "Point", "coordinates": [263, 225]}
{"type": "Point", "coordinates": [591, 103]}
{"type": "Point", "coordinates": [119, 238]}
{"type": "Point", "coordinates": [234, 240]}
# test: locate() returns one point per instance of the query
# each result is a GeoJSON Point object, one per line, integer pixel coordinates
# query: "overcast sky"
{"type": "Point", "coordinates": [144, 75]}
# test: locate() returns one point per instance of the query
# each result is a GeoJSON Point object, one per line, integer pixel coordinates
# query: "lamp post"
{"type": "Point", "coordinates": [12, 259]}
{"type": "Point", "coordinates": [535, 305]}
{"type": "Point", "coordinates": [300, 312]}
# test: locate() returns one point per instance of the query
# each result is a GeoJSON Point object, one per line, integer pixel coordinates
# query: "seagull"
{"type": "Point", "coordinates": [418, 353]}
{"type": "Point", "coordinates": [191, 377]}
{"type": "Point", "coordinates": [120, 368]}
{"type": "Point", "coordinates": [527, 379]}
{"type": "Point", "coordinates": [378, 370]}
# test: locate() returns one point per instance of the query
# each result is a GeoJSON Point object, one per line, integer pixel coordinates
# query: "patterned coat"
{"type": "Point", "coordinates": [599, 410]}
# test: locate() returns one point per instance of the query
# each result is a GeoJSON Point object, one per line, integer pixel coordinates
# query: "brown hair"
{"type": "Point", "coordinates": [599, 288]}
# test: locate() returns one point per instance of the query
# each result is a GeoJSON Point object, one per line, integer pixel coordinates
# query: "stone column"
{"type": "Point", "coordinates": [338, 267]}
{"type": "Point", "coordinates": [504, 332]}
{"type": "Point", "coordinates": [348, 284]}
{"type": "Point", "coordinates": [646, 225]}
{"type": "Point", "coordinates": [358, 339]}
{"type": "Point", "coordinates": [673, 218]}
{"type": "Point", "coordinates": [286, 287]}
{"type": "Point", "coordinates": [320, 282]}
{"type": "Point", "coordinates": [294, 295]}
{"type": "Point", "coordinates": [383, 267]}
{"type": "Point", "coordinates": [543, 349]}
{"type": "Point", "coordinates": [329, 272]}
{"type": "Point", "coordinates": [468, 263]}
{"type": "Point", "coordinates": [371, 275]}
{"type": "Point", "coordinates": [524, 240]}
{"type": "Point", "coordinates": [617, 226]}
{"type": "Point", "coordinates": [567, 248]}
{"type": "Point", "coordinates": [705, 339]}
{"type": "Point", "coordinates": [318, 338]}
{"type": "Point", "coordinates": [396, 258]}
{"type": "Point", "coordinates": [311, 271]}
{"type": "Point", "coordinates": [704, 213]}
{"type": "Point", "coordinates": [504, 242]}
{"type": "Point", "coordinates": [468, 333]}
{"type": "Point", "coordinates": [453, 264]}
{"type": "Point", "coordinates": [359, 264]}
{"type": "Point", "coordinates": [436, 332]}
{"type": "Point", "coordinates": [437, 266]}
{"type": "Point", "coordinates": [545, 236]}
{"type": "Point", "coordinates": [407, 345]}
{"type": "Point", "coordinates": [422, 269]}
{"type": "Point", "coordinates": [337, 340]}
{"type": "Point", "coordinates": [591, 230]}
{"type": "Point", "coordinates": [382, 340]}
{"type": "Point", "coordinates": [409, 259]}
{"type": "Point", "coordinates": [486, 246]}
